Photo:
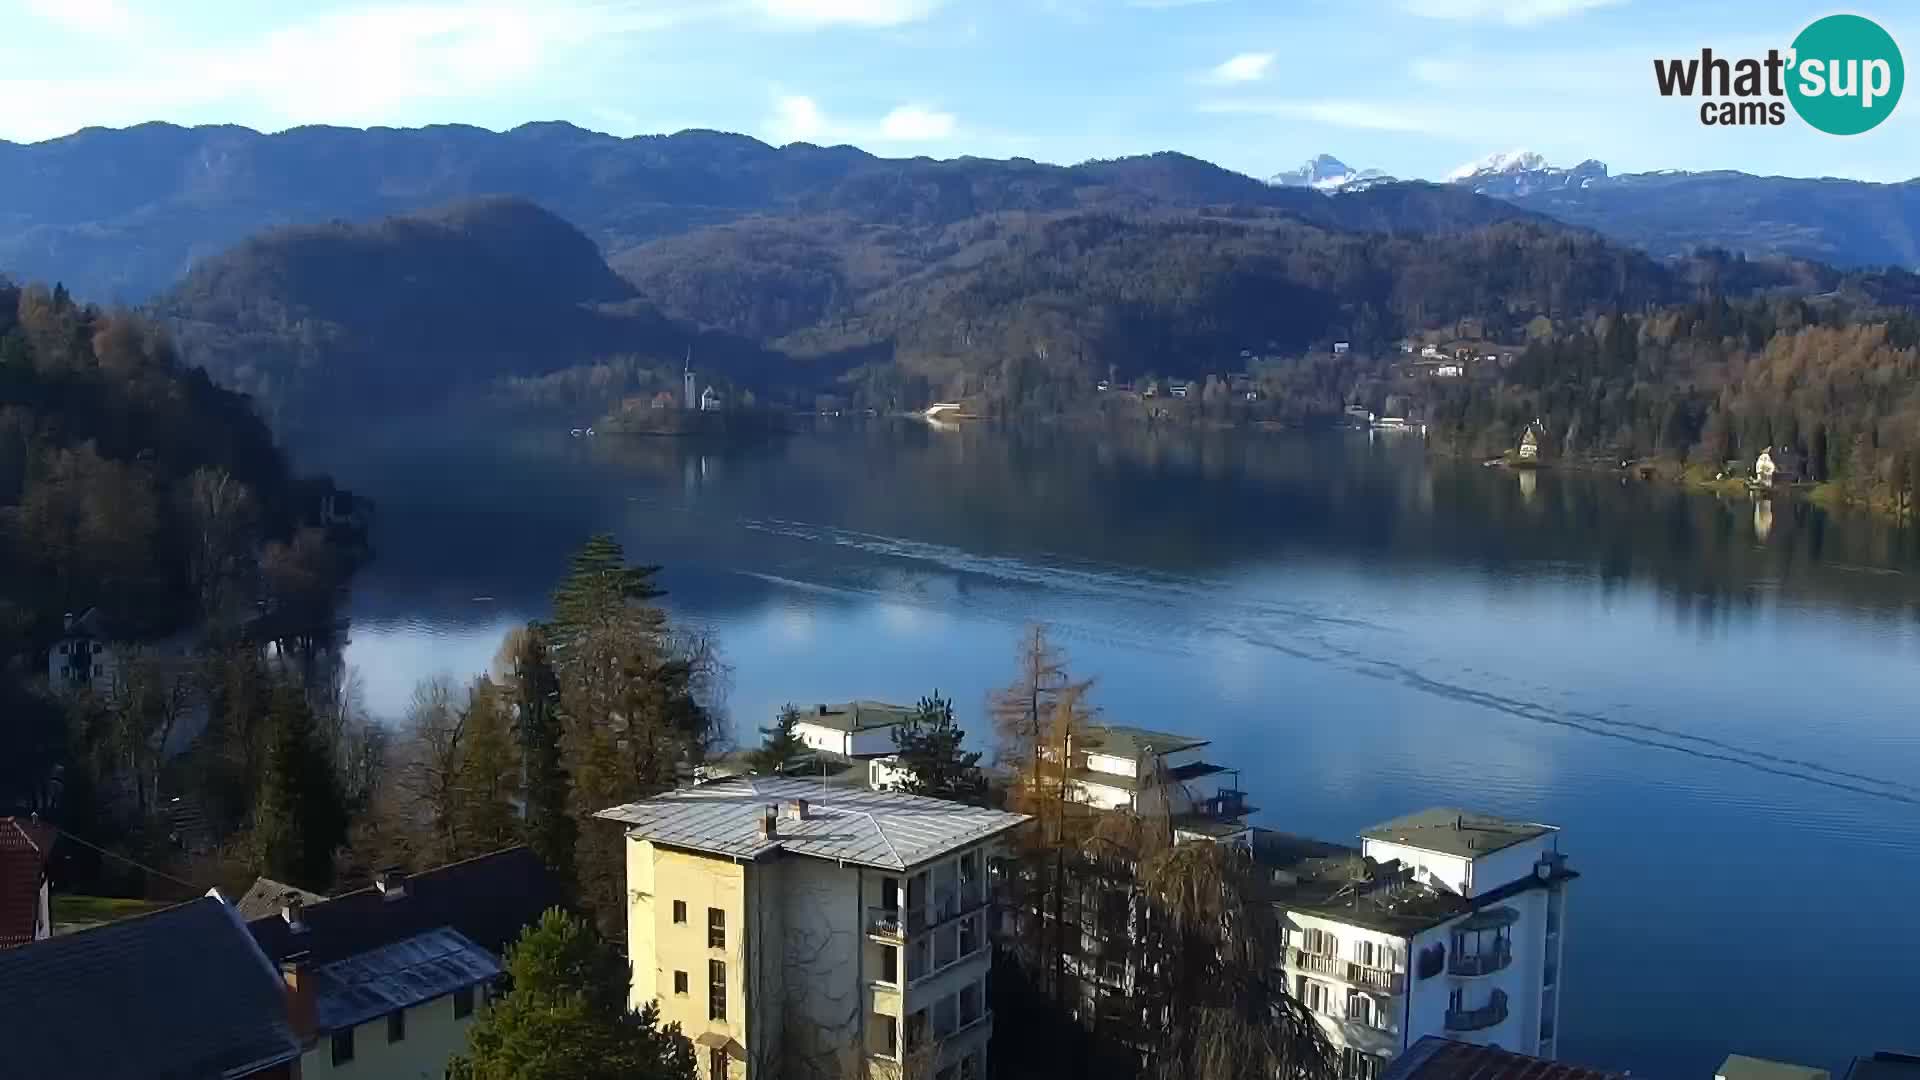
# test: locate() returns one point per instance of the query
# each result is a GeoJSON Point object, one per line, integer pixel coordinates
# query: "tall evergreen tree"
{"type": "Point", "coordinates": [568, 1017]}
{"type": "Point", "coordinates": [933, 754]}
{"type": "Point", "coordinates": [779, 747]}
{"type": "Point", "coordinates": [600, 588]}
{"type": "Point", "coordinates": [534, 691]}
{"type": "Point", "coordinates": [300, 815]}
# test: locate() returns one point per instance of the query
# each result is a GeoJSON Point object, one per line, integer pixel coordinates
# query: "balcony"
{"type": "Point", "coordinates": [1481, 963]}
{"type": "Point", "coordinates": [895, 923]}
{"type": "Point", "coordinates": [1371, 978]}
{"type": "Point", "coordinates": [1486, 1016]}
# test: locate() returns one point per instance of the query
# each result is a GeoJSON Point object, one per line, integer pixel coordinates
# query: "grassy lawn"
{"type": "Point", "coordinates": [99, 909]}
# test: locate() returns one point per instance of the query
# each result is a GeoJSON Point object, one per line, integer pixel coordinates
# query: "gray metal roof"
{"type": "Point", "coordinates": [883, 829]}
{"type": "Point", "coordinates": [1130, 742]}
{"type": "Point", "coordinates": [1451, 831]}
{"type": "Point", "coordinates": [398, 976]}
{"type": "Point", "coordinates": [857, 715]}
{"type": "Point", "coordinates": [266, 896]}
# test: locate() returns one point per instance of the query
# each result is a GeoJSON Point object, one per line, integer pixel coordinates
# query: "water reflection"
{"type": "Point", "coordinates": [1358, 629]}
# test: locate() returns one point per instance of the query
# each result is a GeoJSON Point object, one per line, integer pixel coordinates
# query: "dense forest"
{"type": "Point", "coordinates": [1714, 382]}
{"type": "Point", "coordinates": [132, 487]}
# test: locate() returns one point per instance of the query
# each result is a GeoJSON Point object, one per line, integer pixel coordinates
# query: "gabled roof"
{"type": "Point", "coordinates": [180, 994]}
{"type": "Point", "coordinates": [266, 895]}
{"type": "Point", "coordinates": [1435, 1058]}
{"type": "Point", "coordinates": [490, 899]}
{"type": "Point", "coordinates": [24, 849]}
{"type": "Point", "coordinates": [857, 715]}
{"type": "Point", "coordinates": [406, 973]}
{"type": "Point", "coordinates": [883, 829]}
{"type": "Point", "coordinates": [1449, 830]}
{"type": "Point", "coordinates": [1131, 742]}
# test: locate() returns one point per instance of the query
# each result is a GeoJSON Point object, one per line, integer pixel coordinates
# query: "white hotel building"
{"type": "Point", "coordinates": [1442, 923]}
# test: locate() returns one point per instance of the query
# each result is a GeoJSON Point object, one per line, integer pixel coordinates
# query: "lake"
{"type": "Point", "coordinates": [1713, 698]}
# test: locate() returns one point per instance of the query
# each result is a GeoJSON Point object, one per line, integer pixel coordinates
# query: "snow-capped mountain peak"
{"type": "Point", "coordinates": [1523, 172]}
{"type": "Point", "coordinates": [1326, 173]}
{"type": "Point", "coordinates": [1511, 161]}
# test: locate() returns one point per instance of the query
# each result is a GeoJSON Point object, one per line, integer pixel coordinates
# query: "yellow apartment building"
{"type": "Point", "coordinates": [779, 921]}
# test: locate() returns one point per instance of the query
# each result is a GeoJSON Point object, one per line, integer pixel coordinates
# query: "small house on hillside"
{"type": "Point", "coordinates": [856, 729]}
{"type": "Point", "coordinates": [87, 655]}
{"type": "Point", "coordinates": [662, 400]}
{"type": "Point", "coordinates": [710, 400]}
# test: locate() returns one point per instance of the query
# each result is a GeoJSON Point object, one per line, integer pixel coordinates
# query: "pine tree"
{"type": "Point", "coordinates": [933, 754]}
{"type": "Point", "coordinates": [568, 1016]}
{"type": "Point", "coordinates": [780, 747]}
{"type": "Point", "coordinates": [300, 815]}
{"type": "Point", "coordinates": [534, 691]}
{"type": "Point", "coordinates": [600, 587]}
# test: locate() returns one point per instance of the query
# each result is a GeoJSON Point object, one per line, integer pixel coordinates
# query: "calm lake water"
{"type": "Point", "coordinates": [1715, 702]}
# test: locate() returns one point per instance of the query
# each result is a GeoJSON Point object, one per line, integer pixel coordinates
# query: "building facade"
{"type": "Point", "coordinates": [855, 729]}
{"type": "Point", "coordinates": [779, 921]}
{"type": "Point", "coordinates": [1443, 923]}
{"type": "Point", "coordinates": [1154, 774]}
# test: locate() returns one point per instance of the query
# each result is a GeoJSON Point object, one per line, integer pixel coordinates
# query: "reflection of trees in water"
{"type": "Point", "coordinates": [1144, 500]}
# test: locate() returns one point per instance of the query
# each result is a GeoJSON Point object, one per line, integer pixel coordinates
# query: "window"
{"type": "Point", "coordinates": [1360, 1008]}
{"type": "Point", "coordinates": [889, 1035]}
{"type": "Point", "coordinates": [970, 1067]}
{"type": "Point", "coordinates": [1315, 996]}
{"type": "Point", "coordinates": [1456, 1000]}
{"type": "Point", "coordinates": [916, 1031]}
{"type": "Point", "coordinates": [716, 928]}
{"type": "Point", "coordinates": [463, 1003]}
{"type": "Point", "coordinates": [1357, 1065]}
{"type": "Point", "coordinates": [342, 1046]}
{"type": "Point", "coordinates": [969, 935]}
{"type": "Point", "coordinates": [971, 997]}
{"type": "Point", "coordinates": [717, 1062]}
{"type": "Point", "coordinates": [889, 964]}
{"type": "Point", "coordinates": [396, 1025]}
{"type": "Point", "coordinates": [680, 984]}
{"type": "Point", "coordinates": [1319, 942]}
{"type": "Point", "coordinates": [679, 913]}
{"type": "Point", "coordinates": [716, 990]}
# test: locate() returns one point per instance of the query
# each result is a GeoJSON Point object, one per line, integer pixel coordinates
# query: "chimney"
{"type": "Point", "coordinates": [291, 907]}
{"type": "Point", "coordinates": [770, 823]}
{"type": "Point", "coordinates": [797, 810]}
{"type": "Point", "coordinates": [392, 883]}
{"type": "Point", "coordinates": [298, 973]}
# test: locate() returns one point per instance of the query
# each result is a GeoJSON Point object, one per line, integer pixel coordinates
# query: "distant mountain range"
{"type": "Point", "coordinates": [1520, 173]}
{"type": "Point", "coordinates": [1328, 173]}
{"type": "Point", "coordinates": [1848, 223]}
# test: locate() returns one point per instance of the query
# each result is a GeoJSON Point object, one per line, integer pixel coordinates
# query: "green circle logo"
{"type": "Point", "coordinates": [1846, 75]}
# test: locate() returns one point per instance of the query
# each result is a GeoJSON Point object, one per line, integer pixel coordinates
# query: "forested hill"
{"type": "Point", "coordinates": [320, 322]}
{"type": "Point", "coordinates": [131, 483]}
{"type": "Point", "coordinates": [121, 215]}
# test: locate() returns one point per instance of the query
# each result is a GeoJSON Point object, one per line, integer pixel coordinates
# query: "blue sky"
{"type": "Point", "coordinates": [1414, 87]}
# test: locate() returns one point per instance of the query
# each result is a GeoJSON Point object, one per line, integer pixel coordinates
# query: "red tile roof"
{"type": "Point", "coordinates": [1435, 1058]}
{"type": "Point", "coordinates": [24, 849]}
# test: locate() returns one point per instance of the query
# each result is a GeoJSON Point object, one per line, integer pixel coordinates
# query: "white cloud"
{"type": "Point", "coordinates": [916, 123]}
{"type": "Point", "coordinates": [1511, 12]}
{"type": "Point", "coordinates": [870, 13]}
{"type": "Point", "coordinates": [797, 118]}
{"type": "Point", "coordinates": [1247, 67]}
{"type": "Point", "coordinates": [1362, 115]}
{"type": "Point", "coordinates": [106, 17]}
